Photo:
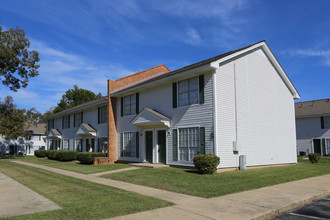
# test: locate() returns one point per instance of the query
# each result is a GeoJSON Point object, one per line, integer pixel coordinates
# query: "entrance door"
{"type": "Point", "coordinates": [149, 146]}
{"type": "Point", "coordinates": [161, 136]}
{"type": "Point", "coordinates": [317, 146]}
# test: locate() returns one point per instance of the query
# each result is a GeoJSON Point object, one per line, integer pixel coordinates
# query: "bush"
{"type": "Point", "coordinates": [314, 157]}
{"type": "Point", "coordinates": [88, 157]}
{"type": "Point", "coordinates": [206, 163]}
{"type": "Point", "coordinates": [51, 154]}
{"type": "Point", "coordinates": [64, 155]}
{"type": "Point", "coordinates": [40, 153]}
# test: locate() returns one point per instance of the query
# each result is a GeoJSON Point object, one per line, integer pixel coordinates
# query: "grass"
{"type": "Point", "coordinates": [72, 166]}
{"type": "Point", "coordinates": [190, 183]}
{"type": "Point", "coordinates": [79, 199]}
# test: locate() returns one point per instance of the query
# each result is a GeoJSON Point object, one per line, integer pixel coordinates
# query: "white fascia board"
{"type": "Point", "coordinates": [169, 78]}
{"type": "Point", "coordinates": [273, 60]}
{"type": "Point", "coordinates": [312, 116]}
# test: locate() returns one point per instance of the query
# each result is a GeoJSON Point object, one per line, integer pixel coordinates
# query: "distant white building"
{"type": "Point", "coordinates": [35, 141]}
{"type": "Point", "coordinates": [313, 127]}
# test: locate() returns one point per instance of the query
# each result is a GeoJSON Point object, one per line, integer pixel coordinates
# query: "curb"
{"type": "Point", "coordinates": [277, 212]}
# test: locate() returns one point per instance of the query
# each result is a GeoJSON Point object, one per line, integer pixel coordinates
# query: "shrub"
{"type": "Point", "coordinates": [314, 157]}
{"type": "Point", "coordinates": [51, 154]}
{"type": "Point", "coordinates": [63, 155]}
{"type": "Point", "coordinates": [40, 153]}
{"type": "Point", "coordinates": [206, 163]}
{"type": "Point", "coordinates": [88, 157]}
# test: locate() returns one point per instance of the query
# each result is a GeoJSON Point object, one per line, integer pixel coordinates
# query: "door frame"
{"type": "Point", "coordinates": [145, 145]}
{"type": "Point", "coordinates": [320, 139]}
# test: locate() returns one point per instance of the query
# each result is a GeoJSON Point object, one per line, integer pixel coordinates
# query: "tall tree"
{"type": "Point", "coordinates": [17, 63]}
{"type": "Point", "coordinates": [14, 121]}
{"type": "Point", "coordinates": [75, 96]}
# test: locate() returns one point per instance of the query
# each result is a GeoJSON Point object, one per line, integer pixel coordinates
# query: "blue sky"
{"type": "Point", "coordinates": [86, 42]}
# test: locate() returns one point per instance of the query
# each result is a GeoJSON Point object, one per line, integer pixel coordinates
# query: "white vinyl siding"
{"type": "Point", "coordinates": [188, 143]}
{"type": "Point", "coordinates": [129, 105]}
{"type": "Point", "coordinates": [188, 91]}
{"type": "Point", "coordinates": [129, 144]}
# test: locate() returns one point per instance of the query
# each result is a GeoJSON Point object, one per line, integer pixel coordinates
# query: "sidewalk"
{"type": "Point", "coordinates": [263, 203]}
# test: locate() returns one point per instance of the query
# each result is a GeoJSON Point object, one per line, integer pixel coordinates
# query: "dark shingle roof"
{"type": "Point", "coordinates": [81, 106]}
{"type": "Point", "coordinates": [314, 107]}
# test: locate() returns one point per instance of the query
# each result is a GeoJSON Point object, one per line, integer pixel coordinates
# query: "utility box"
{"type": "Point", "coordinates": [242, 162]}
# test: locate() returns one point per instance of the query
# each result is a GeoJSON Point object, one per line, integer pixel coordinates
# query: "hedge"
{"type": "Point", "coordinates": [314, 157]}
{"type": "Point", "coordinates": [206, 163]}
{"type": "Point", "coordinates": [88, 157]}
{"type": "Point", "coordinates": [40, 153]}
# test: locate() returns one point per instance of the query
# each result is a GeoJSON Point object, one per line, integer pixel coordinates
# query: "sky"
{"type": "Point", "coordinates": [86, 42]}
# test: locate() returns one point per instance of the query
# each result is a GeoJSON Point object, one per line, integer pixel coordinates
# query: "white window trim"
{"type": "Point", "coordinates": [178, 140]}
{"type": "Point", "coordinates": [177, 93]}
{"type": "Point", "coordinates": [123, 144]}
{"type": "Point", "coordinates": [134, 112]}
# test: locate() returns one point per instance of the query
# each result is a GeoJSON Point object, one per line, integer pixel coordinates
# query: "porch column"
{"type": "Point", "coordinates": [112, 131]}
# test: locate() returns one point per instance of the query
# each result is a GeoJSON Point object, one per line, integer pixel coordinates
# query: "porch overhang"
{"type": "Point", "coordinates": [150, 118]}
{"type": "Point", "coordinates": [54, 134]}
{"type": "Point", "coordinates": [85, 130]}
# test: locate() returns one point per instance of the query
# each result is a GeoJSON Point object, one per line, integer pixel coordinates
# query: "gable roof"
{"type": "Point", "coordinates": [214, 62]}
{"type": "Point", "coordinates": [312, 108]}
{"type": "Point", "coordinates": [40, 128]}
{"type": "Point", "coordinates": [82, 106]}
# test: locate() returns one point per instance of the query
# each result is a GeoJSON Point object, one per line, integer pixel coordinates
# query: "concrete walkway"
{"type": "Point", "coordinates": [17, 199]}
{"type": "Point", "coordinates": [263, 203]}
{"type": "Point", "coordinates": [114, 171]}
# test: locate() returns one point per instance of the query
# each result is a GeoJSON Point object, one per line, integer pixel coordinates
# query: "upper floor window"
{"type": "Point", "coordinates": [77, 119]}
{"type": "Point", "coordinates": [50, 124]}
{"type": "Point", "coordinates": [66, 122]}
{"type": "Point", "coordinates": [130, 104]}
{"type": "Point", "coordinates": [327, 122]}
{"type": "Point", "coordinates": [189, 91]}
{"type": "Point", "coordinates": [102, 114]}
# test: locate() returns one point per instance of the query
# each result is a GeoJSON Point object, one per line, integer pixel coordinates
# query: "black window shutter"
{"type": "Point", "coordinates": [202, 140]}
{"type": "Point", "coordinates": [174, 94]}
{"type": "Point", "coordinates": [137, 145]}
{"type": "Point", "coordinates": [82, 117]}
{"type": "Point", "coordinates": [74, 120]}
{"type": "Point", "coordinates": [69, 122]}
{"type": "Point", "coordinates": [201, 89]}
{"type": "Point", "coordinates": [322, 122]}
{"type": "Point", "coordinates": [122, 106]}
{"type": "Point", "coordinates": [137, 103]}
{"type": "Point", "coordinates": [62, 122]}
{"type": "Point", "coordinates": [175, 144]}
{"type": "Point", "coordinates": [98, 115]}
{"type": "Point", "coordinates": [121, 145]}
{"type": "Point", "coordinates": [98, 145]}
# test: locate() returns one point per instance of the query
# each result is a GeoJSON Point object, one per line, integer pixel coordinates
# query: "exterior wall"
{"type": "Point", "coordinates": [256, 109]}
{"type": "Point", "coordinates": [307, 130]}
{"type": "Point", "coordinates": [90, 116]}
{"type": "Point", "coordinates": [22, 145]}
{"type": "Point", "coordinates": [159, 98]}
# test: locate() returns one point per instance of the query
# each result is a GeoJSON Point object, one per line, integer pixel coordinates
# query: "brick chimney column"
{"type": "Point", "coordinates": [112, 131]}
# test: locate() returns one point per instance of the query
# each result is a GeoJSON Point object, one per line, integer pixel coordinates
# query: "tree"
{"type": "Point", "coordinates": [15, 121]}
{"type": "Point", "coordinates": [75, 96]}
{"type": "Point", "coordinates": [17, 63]}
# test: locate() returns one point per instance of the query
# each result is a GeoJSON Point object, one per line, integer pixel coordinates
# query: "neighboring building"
{"type": "Point", "coordinates": [34, 141]}
{"type": "Point", "coordinates": [81, 128]}
{"type": "Point", "coordinates": [237, 103]}
{"type": "Point", "coordinates": [313, 127]}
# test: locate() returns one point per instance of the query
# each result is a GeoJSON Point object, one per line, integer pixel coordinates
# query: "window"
{"type": "Point", "coordinates": [66, 144]}
{"type": "Point", "coordinates": [129, 144]}
{"type": "Point", "coordinates": [66, 122]}
{"type": "Point", "coordinates": [50, 124]}
{"type": "Point", "coordinates": [77, 119]}
{"type": "Point", "coordinates": [328, 146]}
{"type": "Point", "coordinates": [327, 122]}
{"type": "Point", "coordinates": [188, 92]}
{"type": "Point", "coordinates": [78, 145]}
{"type": "Point", "coordinates": [103, 145]}
{"type": "Point", "coordinates": [129, 105]}
{"type": "Point", "coordinates": [188, 143]}
{"type": "Point", "coordinates": [102, 114]}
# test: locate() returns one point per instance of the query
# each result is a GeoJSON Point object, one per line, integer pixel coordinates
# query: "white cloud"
{"type": "Point", "coordinates": [325, 54]}
{"type": "Point", "coordinates": [192, 37]}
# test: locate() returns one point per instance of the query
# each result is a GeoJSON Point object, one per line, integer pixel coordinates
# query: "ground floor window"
{"type": "Point", "coordinates": [103, 145]}
{"type": "Point", "coordinates": [328, 146]}
{"type": "Point", "coordinates": [129, 144]}
{"type": "Point", "coordinates": [188, 143]}
{"type": "Point", "coordinates": [66, 144]}
{"type": "Point", "coordinates": [78, 145]}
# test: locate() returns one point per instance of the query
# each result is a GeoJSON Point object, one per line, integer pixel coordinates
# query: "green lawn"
{"type": "Point", "coordinates": [189, 182]}
{"type": "Point", "coordinates": [72, 166]}
{"type": "Point", "coordinates": [79, 199]}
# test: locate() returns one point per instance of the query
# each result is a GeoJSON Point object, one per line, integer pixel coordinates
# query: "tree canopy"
{"type": "Point", "coordinates": [17, 63]}
{"type": "Point", "coordinates": [74, 97]}
{"type": "Point", "coordinates": [15, 121]}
